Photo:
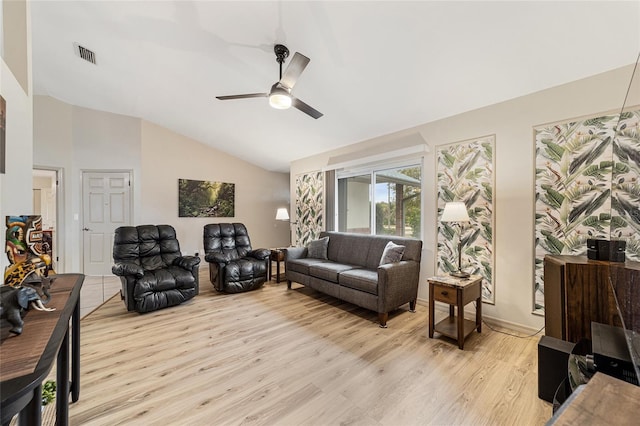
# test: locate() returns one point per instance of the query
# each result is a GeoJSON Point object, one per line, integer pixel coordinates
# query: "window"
{"type": "Point", "coordinates": [396, 206]}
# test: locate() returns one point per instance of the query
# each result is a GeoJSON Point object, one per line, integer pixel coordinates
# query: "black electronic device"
{"type": "Point", "coordinates": [611, 352]}
{"type": "Point", "coordinates": [601, 249]}
{"type": "Point", "coordinates": [553, 358]}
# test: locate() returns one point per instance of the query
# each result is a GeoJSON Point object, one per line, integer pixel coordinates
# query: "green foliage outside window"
{"type": "Point", "coordinates": [411, 204]}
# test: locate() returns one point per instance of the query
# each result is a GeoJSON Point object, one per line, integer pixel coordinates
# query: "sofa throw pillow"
{"type": "Point", "coordinates": [317, 249]}
{"type": "Point", "coordinates": [392, 253]}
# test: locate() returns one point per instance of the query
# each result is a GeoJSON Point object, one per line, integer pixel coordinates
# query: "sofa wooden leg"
{"type": "Point", "coordinates": [382, 318]}
{"type": "Point", "coordinates": [412, 305]}
{"type": "Point", "coordinates": [289, 284]}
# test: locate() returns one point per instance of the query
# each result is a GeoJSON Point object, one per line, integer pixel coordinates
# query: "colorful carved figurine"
{"type": "Point", "coordinates": [30, 270]}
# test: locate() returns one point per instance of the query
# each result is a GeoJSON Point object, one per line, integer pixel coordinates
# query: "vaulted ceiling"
{"type": "Point", "coordinates": [376, 66]}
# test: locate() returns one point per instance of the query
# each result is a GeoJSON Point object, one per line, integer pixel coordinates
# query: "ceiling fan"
{"type": "Point", "coordinates": [280, 93]}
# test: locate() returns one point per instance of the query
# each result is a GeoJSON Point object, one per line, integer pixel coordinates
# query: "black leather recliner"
{"type": "Point", "coordinates": [233, 266]}
{"type": "Point", "coordinates": [153, 272]}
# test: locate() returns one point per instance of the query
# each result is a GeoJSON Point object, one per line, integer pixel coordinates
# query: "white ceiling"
{"type": "Point", "coordinates": [376, 66]}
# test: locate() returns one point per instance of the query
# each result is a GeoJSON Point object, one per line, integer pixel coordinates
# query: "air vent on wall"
{"type": "Point", "coordinates": [85, 53]}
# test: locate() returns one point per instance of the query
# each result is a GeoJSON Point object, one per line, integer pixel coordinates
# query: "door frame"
{"type": "Point", "coordinates": [81, 221]}
{"type": "Point", "coordinates": [58, 240]}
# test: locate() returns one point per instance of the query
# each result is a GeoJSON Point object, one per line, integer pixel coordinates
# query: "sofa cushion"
{"type": "Point", "coordinates": [302, 265]}
{"type": "Point", "coordinates": [317, 249]}
{"type": "Point", "coordinates": [392, 253]}
{"type": "Point", "coordinates": [366, 250]}
{"type": "Point", "coordinates": [360, 279]}
{"type": "Point", "coordinates": [329, 271]}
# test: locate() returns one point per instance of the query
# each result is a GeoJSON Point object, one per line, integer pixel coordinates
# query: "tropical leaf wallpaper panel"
{"type": "Point", "coordinates": [309, 207]}
{"type": "Point", "coordinates": [465, 173]}
{"type": "Point", "coordinates": [587, 186]}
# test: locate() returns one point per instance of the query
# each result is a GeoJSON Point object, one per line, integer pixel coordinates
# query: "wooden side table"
{"type": "Point", "coordinates": [277, 255]}
{"type": "Point", "coordinates": [457, 292]}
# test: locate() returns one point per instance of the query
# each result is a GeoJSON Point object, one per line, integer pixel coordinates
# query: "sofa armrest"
{"type": "Point", "coordinates": [397, 284]}
{"type": "Point", "coordinates": [122, 269]}
{"type": "Point", "coordinates": [186, 262]}
{"type": "Point", "coordinates": [260, 254]}
{"type": "Point", "coordinates": [295, 253]}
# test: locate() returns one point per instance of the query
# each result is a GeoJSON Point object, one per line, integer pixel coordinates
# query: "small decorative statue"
{"type": "Point", "coordinates": [31, 273]}
{"type": "Point", "coordinates": [14, 300]}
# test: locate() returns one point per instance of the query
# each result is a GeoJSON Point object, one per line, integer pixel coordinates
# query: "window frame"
{"type": "Point", "coordinates": [372, 170]}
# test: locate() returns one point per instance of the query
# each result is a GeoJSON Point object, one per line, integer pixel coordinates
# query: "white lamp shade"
{"type": "Point", "coordinates": [282, 214]}
{"type": "Point", "coordinates": [455, 211]}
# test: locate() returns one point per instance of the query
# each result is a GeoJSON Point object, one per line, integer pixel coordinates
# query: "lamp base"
{"type": "Point", "coordinates": [460, 274]}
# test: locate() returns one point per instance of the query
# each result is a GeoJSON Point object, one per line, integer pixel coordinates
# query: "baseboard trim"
{"type": "Point", "coordinates": [494, 322]}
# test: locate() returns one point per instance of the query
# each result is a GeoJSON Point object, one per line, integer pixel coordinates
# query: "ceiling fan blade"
{"type": "Point", "coordinates": [298, 63]}
{"type": "Point", "coordinates": [297, 103]}
{"type": "Point", "coordinates": [249, 95]}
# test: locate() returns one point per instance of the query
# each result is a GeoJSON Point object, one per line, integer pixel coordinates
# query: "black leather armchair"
{"type": "Point", "coordinates": [153, 272]}
{"type": "Point", "coordinates": [233, 266]}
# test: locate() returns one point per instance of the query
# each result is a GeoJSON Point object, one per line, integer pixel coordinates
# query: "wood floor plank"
{"type": "Point", "coordinates": [296, 357]}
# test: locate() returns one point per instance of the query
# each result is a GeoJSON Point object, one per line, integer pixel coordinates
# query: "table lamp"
{"type": "Point", "coordinates": [283, 214]}
{"type": "Point", "coordinates": [456, 212]}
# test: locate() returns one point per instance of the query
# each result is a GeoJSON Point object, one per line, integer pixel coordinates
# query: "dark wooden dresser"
{"type": "Point", "coordinates": [578, 290]}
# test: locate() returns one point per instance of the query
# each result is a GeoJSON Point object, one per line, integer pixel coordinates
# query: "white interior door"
{"type": "Point", "coordinates": [106, 205]}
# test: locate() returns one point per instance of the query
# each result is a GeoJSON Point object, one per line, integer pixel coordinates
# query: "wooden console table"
{"type": "Point", "coordinates": [603, 400]}
{"type": "Point", "coordinates": [28, 358]}
{"type": "Point", "coordinates": [457, 292]}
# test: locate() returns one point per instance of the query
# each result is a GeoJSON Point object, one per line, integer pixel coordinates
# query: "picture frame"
{"type": "Point", "coordinates": [201, 198]}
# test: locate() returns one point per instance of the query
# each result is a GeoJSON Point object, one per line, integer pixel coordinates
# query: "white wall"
{"type": "Point", "coordinates": [168, 156]}
{"type": "Point", "coordinates": [15, 185]}
{"type": "Point", "coordinates": [53, 144]}
{"type": "Point", "coordinates": [512, 122]}
{"type": "Point", "coordinates": [77, 139]}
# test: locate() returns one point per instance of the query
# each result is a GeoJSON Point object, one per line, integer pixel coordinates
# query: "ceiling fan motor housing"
{"type": "Point", "coordinates": [282, 53]}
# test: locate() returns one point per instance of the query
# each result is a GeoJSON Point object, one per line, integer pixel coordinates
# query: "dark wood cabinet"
{"type": "Point", "coordinates": [579, 290]}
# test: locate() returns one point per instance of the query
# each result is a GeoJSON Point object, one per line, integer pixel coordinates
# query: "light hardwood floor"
{"type": "Point", "coordinates": [296, 357]}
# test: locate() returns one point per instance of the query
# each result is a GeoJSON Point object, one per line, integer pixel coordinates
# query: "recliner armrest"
{"type": "Point", "coordinates": [217, 258]}
{"type": "Point", "coordinates": [260, 254]}
{"type": "Point", "coordinates": [122, 269]}
{"type": "Point", "coordinates": [186, 262]}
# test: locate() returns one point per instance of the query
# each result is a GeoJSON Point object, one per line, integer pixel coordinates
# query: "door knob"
{"type": "Point", "coordinates": [86, 229]}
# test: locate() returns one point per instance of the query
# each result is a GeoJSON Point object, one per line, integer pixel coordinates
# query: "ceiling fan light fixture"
{"type": "Point", "coordinates": [279, 98]}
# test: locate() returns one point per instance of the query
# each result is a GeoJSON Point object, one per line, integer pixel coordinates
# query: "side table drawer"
{"type": "Point", "coordinates": [445, 294]}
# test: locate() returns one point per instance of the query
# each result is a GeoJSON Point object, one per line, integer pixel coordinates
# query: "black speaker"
{"type": "Point", "coordinates": [603, 249]}
{"type": "Point", "coordinates": [553, 364]}
{"type": "Point", "coordinates": [616, 250]}
{"type": "Point", "coordinates": [600, 249]}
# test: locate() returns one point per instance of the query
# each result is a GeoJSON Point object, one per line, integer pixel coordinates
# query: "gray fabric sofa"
{"type": "Point", "coordinates": [352, 271]}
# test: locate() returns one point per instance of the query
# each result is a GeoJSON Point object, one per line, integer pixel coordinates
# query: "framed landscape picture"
{"type": "Point", "coordinates": [201, 198]}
